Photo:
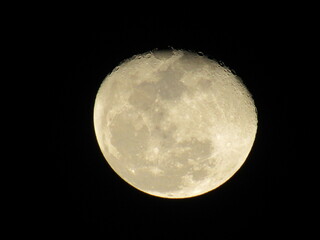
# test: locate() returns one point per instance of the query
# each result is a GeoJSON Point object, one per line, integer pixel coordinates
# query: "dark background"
{"type": "Point", "coordinates": [87, 197]}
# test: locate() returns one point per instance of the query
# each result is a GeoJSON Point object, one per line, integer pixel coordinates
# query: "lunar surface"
{"type": "Point", "coordinates": [174, 124]}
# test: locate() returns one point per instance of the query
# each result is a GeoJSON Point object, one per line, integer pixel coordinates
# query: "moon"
{"type": "Point", "coordinates": [173, 123]}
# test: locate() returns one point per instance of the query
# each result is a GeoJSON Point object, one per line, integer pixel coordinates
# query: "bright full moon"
{"type": "Point", "coordinates": [174, 124]}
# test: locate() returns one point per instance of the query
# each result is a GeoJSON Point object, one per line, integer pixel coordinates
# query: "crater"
{"type": "Point", "coordinates": [162, 55]}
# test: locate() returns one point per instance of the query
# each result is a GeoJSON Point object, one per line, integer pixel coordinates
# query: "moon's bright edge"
{"type": "Point", "coordinates": [174, 124]}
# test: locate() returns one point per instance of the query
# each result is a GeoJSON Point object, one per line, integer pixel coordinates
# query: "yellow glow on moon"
{"type": "Point", "coordinates": [174, 124]}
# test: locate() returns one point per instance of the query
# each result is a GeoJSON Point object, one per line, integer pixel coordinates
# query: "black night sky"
{"type": "Point", "coordinates": [87, 197]}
